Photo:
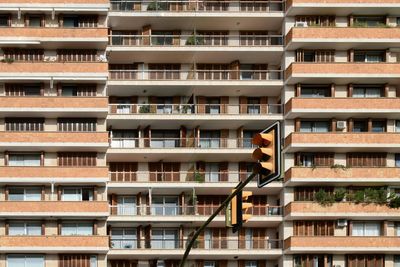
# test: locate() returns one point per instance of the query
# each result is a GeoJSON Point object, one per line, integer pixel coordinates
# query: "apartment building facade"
{"type": "Point", "coordinates": [125, 124]}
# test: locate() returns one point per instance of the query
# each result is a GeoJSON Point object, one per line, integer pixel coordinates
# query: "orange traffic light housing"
{"type": "Point", "coordinates": [239, 206]}
{"type": "Point", "coordinates": [268, 154]}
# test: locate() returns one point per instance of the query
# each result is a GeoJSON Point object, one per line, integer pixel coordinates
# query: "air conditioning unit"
{"type": "Point", "coordinates": [341, 125]}
{"type": "Point", "coordinates": [301, 24]}
{"type": "Point", "coordinates": [341, 223]}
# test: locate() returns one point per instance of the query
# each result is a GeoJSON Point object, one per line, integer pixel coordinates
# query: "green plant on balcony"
{"type": "Point", "coordinates": [7, 60]}
{"type": "Point", "coordinates": [199, 177]}
{"type": "Point", "coordinates": [153, 6]}
{"type": "Point", "coordinates": [144, 109]}
{"type": "Point", "coordinates": [324, 198]}
{"type": "Point", "coordinates": [338, 167]}
{"type": "Point", "coordinates": [195, 40]}
{"type": "Point", "coordinates": [394, 202]}
{"type": "Point", "coordinates": [339, 194]}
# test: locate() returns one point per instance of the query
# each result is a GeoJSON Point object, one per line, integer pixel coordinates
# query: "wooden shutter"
{"type": "Point", "coordinates": [123, 263]}
{"type": "Point", "coordinates": [223, 169]}
{"type": "Point", "coordinates": [366, 159]}
{"type": "Point", "coordinates": [74, 260]}
{"type": "Point", "coordinates": [123, 171]}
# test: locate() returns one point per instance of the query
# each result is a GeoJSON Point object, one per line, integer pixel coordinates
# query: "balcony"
{"type": "Point", "coordinates": [342, 106]}
{"type": "Point", "coordinates": [345, 244]}
{"type": "Point", "coordinates": [54, 141]}
{"type": "Point", "coordinates": [54, 36]}
{"type": "Point", "coordinates": [150, 6]}
{"type": "Point", "coordinates": [249, 82]}
{"type": "Point", "coordinates": [352, 175]}
{"type": "Point", "coordinates": [342, 7]}
{"type": "Point", "coordinates": [205, 48]}
{"type": "Point", "coordinates": [57, 106]}
{"type": "Point", "coordinates": [51, 243]}
{"type": "Point", "coordinates": [215, 115]}
{"type": "Point", "coordinates": [312, 210]}
{"type": "Point", "coordinates": [342, 142]}
{"type": "Point", "coordinates": [342, 38]}
{"type": "Point", "coordinates": [54, 209]}
{"type": "Point", "coordinates": [175, 215]}
{"type": "Point", "coordinates": [57, 5]}
{"type": "Point", "coordinates": [178, 149]}
{"type": "Point", "coordinates": [77, 71]}
{"type": "Point", "coordinates": [14, 174]}
{"type": "Point", "coordinates": [343, 73]}
{"type": "Point", "coordinates": [142, 249]}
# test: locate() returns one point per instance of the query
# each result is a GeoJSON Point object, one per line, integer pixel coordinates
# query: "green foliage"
{"type": "Point", "coordinates": [394, 202]}
{"type": "Point", "coordinates": [338, 166]}
{"type": "Point", "coordinates": [323, 197]}
{"type": "Point", "coordinates": [195, 40]}
{"type": "Point", "coordinates": [7, 60]}
{"type": "Point", "coordinates": [157, 6]}
{"type": "Point", "coordinates": [339, 194]}
{"type": "Point", "coordinates": [198, 177]}
{"type": "Point", "coordinates": [144, 109]}
{"type": "Point", "coordinates": [359, 196]}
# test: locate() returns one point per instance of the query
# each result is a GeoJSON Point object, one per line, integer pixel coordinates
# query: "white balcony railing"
{"type": "Point", "coordinates": [198, 6]}
{"type": "Point", "coordinates": [196, 109]}
{"type": "Point", "coordinates": [197, 143]}
{"type": "Point", "coordinates": [196, 40]}
{"type": "Point", "coordinates": [199, 75]}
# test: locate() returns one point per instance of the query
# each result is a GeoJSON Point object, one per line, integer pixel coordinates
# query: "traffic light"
{"type": "Point", "coordinates": [268, 154]}
{"type": "Point", "coordinates": [238, 207]}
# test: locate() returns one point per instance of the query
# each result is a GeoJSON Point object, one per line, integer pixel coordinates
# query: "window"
{"type": "Point", "coordinates": [313, 260]}
{"type": "Point", "coordinates": [367, 91]}
{"type": "Point", "coordinates": [24, 159]}
{"type": "Point", "coordinates": [23, 90]}
{"type": "Point", "coordinates": [34, 20]}
{"type": "Point", "coordinates": [211, 172]}
{"type": "Point", "coordinates": [253, 105]}
{"type": "Point", "coordinates": [93, 261]}
{"type": "Point", "coordinates": [378, 126]}
{"type": "Point", "coordinates": [77, 228]}
{"type": "Point", "coordinates": [25, 261]}
{"type": "Point", "coordinates": [165, 205]}
{"type": "Point", "coordinates": [210, 139]}
{"type": "Point", "coordinates": [322, 21]}
{"type": "Point", "coordinates": [314, 126]}
{"type": "Point", "coordinates": [24, 194]}
{"type": "Point", "coordinates": [314, 228]}
{"type": "Point", "coordinates": [164, 239]}
{"type": "Point", "coordinates": [126, 205]}
{"type": "Point", "coordinates": [360, 126]}
{"type": "Point", "coordinates": [164, 138]}
{"type": "Point", "coordinates": [123, 238]}
{"type": "Point", "coordinates": [164, 105]}
{"type": "Point", "coordinates": [73, 21]}
{"type": "Point", "coordinates": [369, 56]}
{"type": "Point", "coordinates": [362, 260]}
{"type": "Point", "coordinates": [246, 72]}
{"type": "Point", "coordinates": [366, 159]}
{"type": "Point", "coordinates": [76, 55]}
{"type": "Point", "coordinates": [369, 21]}
{"type": "Point", "coordinates": [5, 20]}
{"type": "Point", "coordinates": [162, 38]}
{"type": "Point", "coordinates": [366, 229]}
{"type": "Point", "coordinates": [247, 137]}
{"type": "Point", "coordinates": [78, 90]}
{"type": "Point", "coordinates": [315, 91]}
{"type": "Point", "coordinates": [397, 160]}
{"type": "Point", "coordinates": [213, 105]}
{"type": "Point", "coordinates": [314, 159]}
{"type": "Point", "coordinates": [396, 260]}
{"type": "Point", "coordinates": [24, 54]}
{"type": "Point", "coordinates": [250, 264]}
{"type": "Point", "coordinates": [25, 228]}
{"type": "Point", "coordinates": [24, 124]}
{"type": "Point", "coordinates": [77, 159]}
{"type": "Point", "coordinates": [124, 138]}
{"type": "Point", "coordinates": [209, 264]}
{"type": "Point", "coordinates": [123, 171]}
{"type": "Point", "coordinates": [77, 124]}
{"type": "Point", "coordinates": [77, 194]}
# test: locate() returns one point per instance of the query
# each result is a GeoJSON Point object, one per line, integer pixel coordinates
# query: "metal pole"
{"type": "Point", "coordinates": [238, 188]}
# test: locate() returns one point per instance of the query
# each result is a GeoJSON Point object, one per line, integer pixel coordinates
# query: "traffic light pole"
{"type": "Point", "coordinates": [237, 189]}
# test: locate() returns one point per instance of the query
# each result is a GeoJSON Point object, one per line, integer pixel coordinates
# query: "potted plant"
{"type": "Point", "coordinates": [155, 5]}
{"type": "Point", "coordinates": [195, 40]}
{"type": "Point", "coordinates": [144, 109]}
